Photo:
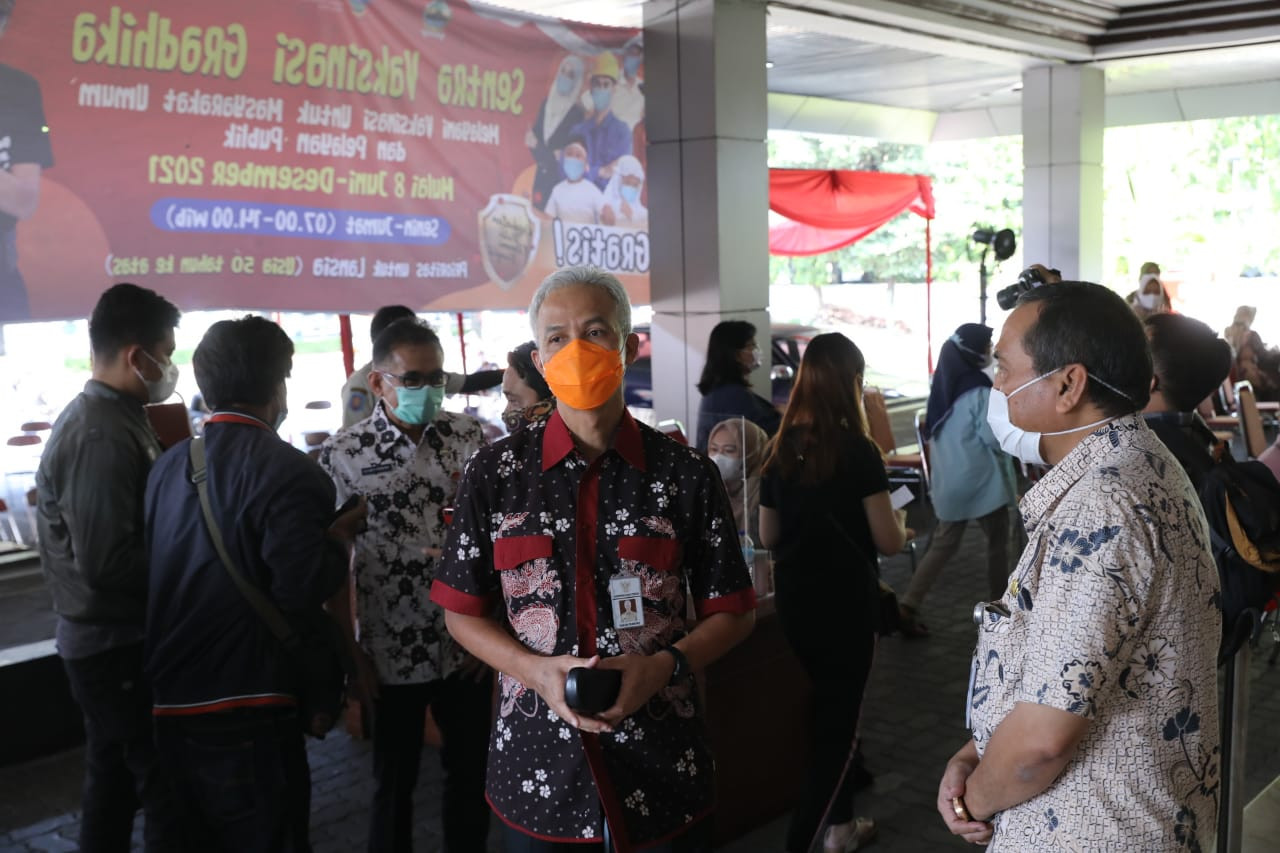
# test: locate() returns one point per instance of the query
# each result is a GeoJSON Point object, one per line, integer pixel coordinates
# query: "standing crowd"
{"type": "Point", "coordinates": [549, 598]}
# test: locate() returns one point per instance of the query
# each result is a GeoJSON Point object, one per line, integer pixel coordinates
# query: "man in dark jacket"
{"type": "Point", "coordinates": [1189, 361]}
{"type": "Point", "coordinates": [90, 485]}
{"type": "Point", "coordinates": [226, 717]}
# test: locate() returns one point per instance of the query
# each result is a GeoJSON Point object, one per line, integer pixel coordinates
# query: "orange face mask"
{"type": "Point", "coordinates": [584, 375]}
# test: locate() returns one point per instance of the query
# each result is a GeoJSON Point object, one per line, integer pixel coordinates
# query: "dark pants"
{"type": "Point", "coordinates": [696, 840]}
{"type": "Point", "coordinates": [122, 769]}
{"type": "Point", "coordinates": [242, 779]}
{"type": "Point", "coordinates": [814, 604]}
{"type": "Point", "coordinates": [462, 710]}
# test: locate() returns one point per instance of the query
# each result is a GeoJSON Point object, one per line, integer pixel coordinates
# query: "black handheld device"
{"type": "Point", "coordinates": [347, 505]}
{"type": "Point", "coordinates": [592, 691]}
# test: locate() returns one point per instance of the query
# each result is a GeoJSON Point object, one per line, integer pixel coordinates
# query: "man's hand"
{"type": "Point", "coordinates": [546, 676]}
{"type": "Point", "coordinates": [959, 768]}
{"type": "Point", "coordinates": [350, 524]}
{"type": "Point", "coordinates": [642, 676]}
{"type": "Point", "coordinates": [365, 684]}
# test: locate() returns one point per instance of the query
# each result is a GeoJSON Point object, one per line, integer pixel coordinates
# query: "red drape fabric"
{"type": "Point", "coordinates": [826, 209]}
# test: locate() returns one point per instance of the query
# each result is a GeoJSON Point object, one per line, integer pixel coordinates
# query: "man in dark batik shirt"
{"type": "Point", "coordinates": [561, 524]}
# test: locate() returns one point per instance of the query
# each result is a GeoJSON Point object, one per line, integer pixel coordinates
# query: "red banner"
{"type": "Point", "coordinates": [331, 155]}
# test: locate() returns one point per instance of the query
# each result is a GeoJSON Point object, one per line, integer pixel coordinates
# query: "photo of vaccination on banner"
{"type": "Point", "coordinates": [291, 153]}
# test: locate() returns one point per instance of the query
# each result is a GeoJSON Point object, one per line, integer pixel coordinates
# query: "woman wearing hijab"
{"type": "Point", "coordinates": [737, 447]}
{"type": "Point", "coordinates": [622, 195]}
{"type": "Point", "coordinates": [559, 113]}
{"type": "Point", "coordinates": [1151, 296]}
{"type": "Point", "coordinates": [971, 478]}
{"type": "Point", "coordinates": [1238, 332]}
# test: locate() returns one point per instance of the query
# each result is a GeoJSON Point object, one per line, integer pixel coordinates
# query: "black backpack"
{"type": "Point", "coordinates": [1241, 500]}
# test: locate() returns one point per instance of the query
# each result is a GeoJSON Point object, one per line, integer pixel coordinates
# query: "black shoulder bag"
{"type": "Point", "coordinates": [890, 618]}
{"type": "Point", "coordinates": [314, 649]}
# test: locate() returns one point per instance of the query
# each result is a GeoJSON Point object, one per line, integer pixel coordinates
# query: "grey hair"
{"type": "Point", "coordinates": [592, 277]}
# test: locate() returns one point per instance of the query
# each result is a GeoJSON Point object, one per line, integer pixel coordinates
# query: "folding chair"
{"type": "Point", "coordinates": [1255, 439]}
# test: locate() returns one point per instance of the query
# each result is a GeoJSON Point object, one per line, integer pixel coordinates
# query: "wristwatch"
{"type": "Point", "coordinates": [682, 664]}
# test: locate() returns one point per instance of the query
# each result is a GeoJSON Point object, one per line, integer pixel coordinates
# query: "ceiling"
{"type": "Point", "coordinates": [945, 69]}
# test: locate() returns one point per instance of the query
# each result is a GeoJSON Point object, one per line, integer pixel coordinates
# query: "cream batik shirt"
{"type": "Point", "coordinates": [1112, 614]}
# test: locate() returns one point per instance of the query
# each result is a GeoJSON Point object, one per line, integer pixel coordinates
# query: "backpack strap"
{"type": "Point", "coordinates": [270, 614]}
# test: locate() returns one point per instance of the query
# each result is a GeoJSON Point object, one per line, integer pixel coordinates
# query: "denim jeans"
{"type": "Point", "coordinates": [122, 769]}
{"type": "Point", "coordinates": [242, 780]}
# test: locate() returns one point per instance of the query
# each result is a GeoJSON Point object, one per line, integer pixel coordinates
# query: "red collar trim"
{"type": "Point", "coordinates": [557, 441]}
{"type": "Point", "coordinates": [236, 418]}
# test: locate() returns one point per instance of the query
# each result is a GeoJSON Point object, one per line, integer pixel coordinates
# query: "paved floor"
{"type": "Point", "coordinates": [913, 721]}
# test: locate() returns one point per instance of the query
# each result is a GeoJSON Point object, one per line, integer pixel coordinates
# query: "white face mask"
{"type": "Point", "coordinates": [1149, 301]}
{"type": "Point", "coordinates": [1016, 441]}
{"type": "Point", "coordinates": [730, 467]}
{"type": "Point", "coordinates": [159, 390]}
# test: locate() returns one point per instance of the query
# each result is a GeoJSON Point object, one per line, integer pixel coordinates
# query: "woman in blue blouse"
{"type": "Point", "coordinates": [972, 478]}
{"type": "Point", "coordinates": [732, 353]}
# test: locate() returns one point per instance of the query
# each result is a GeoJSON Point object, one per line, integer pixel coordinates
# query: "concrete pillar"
{"type": "Point", "coordinates": [706, 118]}
{"type": "Point", "coordinates": [1062, 124]}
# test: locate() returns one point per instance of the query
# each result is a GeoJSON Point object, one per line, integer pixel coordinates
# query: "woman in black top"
{"type": "Point", "coordinates": [825, 512]}
{"type": "Point", "coordinates": [732, 353]}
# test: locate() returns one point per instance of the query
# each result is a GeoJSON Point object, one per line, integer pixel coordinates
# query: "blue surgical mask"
{"type": "Point", "coordinates": [601, 98]}
{"type": "Point", "coordinates": [565, 84]}
{"type": "Point", "coordinates": [574, 168]}
{"type": "Point", "coordinates": [629, 193]}
{"type": "Point", "coordinates": [631, 64]}
{"type": "Point", "coordinates": [418, 406]}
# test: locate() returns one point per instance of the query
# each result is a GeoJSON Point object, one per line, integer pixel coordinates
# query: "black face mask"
{"type": "Point", "coordinates": [517, 419]}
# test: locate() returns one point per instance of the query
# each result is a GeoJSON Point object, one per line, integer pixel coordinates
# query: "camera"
{"type": "Point", "coordinates": [1028, 279]}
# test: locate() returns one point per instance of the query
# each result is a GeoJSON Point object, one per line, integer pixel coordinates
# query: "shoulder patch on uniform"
{"type": "Point", "coordinates": [355, 402]}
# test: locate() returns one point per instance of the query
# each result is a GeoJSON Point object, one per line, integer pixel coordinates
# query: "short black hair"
{"type": "Point", "coordinates": [127, 314]}
{"type": "Point", "coordinates": [722, 367]}
{"type": "Point", "coordinates": [1085, 323]}
{"type": "Point", "coordinates": [521, 361]}
{"type": "Point", "coordinates": [1189, 359]}
{"type": "Point", "coordinates": [242, 361]}
{"type": "Point", "coordinates": [408, 332]}
{"type": "Point", "coordinates": [387, 315]}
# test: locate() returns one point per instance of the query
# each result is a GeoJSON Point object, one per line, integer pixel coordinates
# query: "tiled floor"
{"type": "Point", "coordinates": [912, 722]}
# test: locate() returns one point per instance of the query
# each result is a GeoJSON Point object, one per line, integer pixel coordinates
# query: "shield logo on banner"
{"type": "Point", "coordinates": [509, 232]}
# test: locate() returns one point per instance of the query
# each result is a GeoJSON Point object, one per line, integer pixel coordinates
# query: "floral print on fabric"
{"type": "Point", "coordinates": [407, 487]}
{"type": "Point", "coordinates": [1112, 616]}
{"type": "Point", "coordinates": [552, 531]}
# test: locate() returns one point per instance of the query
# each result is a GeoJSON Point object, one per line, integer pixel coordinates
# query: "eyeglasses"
{"type": "Point", "coordinates": [414, 380]}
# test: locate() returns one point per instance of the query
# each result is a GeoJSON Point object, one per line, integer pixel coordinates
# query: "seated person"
{"type": "Point", "coordinates": [737, 447]}
{"type": "Point", "coordinates": [1189, 362]}
{"type": "Point", "coordinates": [1151, 297]}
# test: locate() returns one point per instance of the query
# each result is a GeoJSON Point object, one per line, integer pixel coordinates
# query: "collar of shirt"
{"type": "Point", "coordinates": [557, 441]}
{"type": "Point", "coordinates": [1090, 453]}
{"type": "Point", "coordinates": [98, 388]}
{"type": "Point", "coordinates": [229, 417]}
{"type": "Point", "coordinates": [383, 427]}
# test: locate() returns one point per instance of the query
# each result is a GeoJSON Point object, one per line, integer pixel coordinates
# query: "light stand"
{"type": "Point", "coordinates": [1004, 244]}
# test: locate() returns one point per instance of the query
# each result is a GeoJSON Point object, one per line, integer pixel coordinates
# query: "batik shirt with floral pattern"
{"type": "Point", "coordinates": [540, 532]}
{"type": "Point", "coordinates": [407, 487]}
{"type": "Point", "coordinates": [1113, 616]}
